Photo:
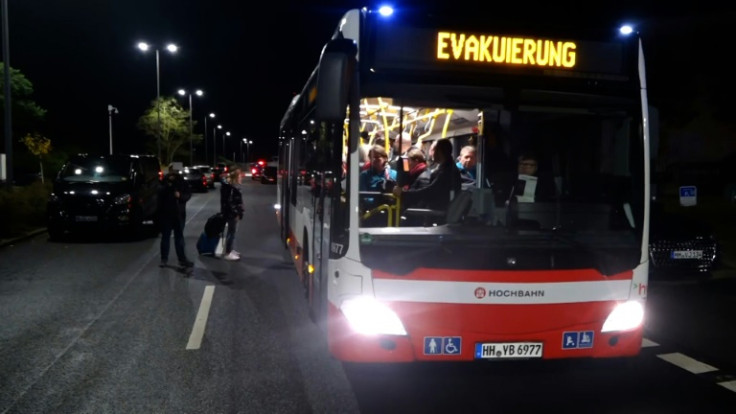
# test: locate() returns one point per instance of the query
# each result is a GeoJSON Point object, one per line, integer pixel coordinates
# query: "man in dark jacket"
{"type": "Point", "coordinates": [173, 195]}
{"type": "Point", "coordinates": [444, 182]}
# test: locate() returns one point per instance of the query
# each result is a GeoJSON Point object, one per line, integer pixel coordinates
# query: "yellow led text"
{"type": "Point", "coordinates": [502, 49]}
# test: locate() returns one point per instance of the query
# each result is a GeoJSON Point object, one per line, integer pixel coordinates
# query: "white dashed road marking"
{"type": "Point", "coordinates": [200, 323]}
{"type": "Point", "coordinates": [687, 363]}
{"type": "Point", "coordinates": [730, 385]}
{"type": "Point", "coordinates": [646, 343]}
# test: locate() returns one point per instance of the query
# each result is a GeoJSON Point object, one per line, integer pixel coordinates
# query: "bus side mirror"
{"type": "Point", "coordinates": [336, 67]}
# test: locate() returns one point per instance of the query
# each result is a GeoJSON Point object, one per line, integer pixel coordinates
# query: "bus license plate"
{"type": "Point", "coordinates": [687, 254]}
{"type": "Point", "coordinates": [509, 350]}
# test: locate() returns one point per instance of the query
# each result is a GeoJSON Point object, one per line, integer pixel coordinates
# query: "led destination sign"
{"type": "Point", "coordinates": [453, 52]}
{"type": "Point", "coordinates": [502, 49]}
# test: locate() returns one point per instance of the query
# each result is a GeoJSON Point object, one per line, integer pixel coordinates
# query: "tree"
{"type": "Point", "coordinates": [26, 113]}
{"type": "Point", "coordinates": [38, 146]}
{"type": "Point", "coordinates": [174, 128]}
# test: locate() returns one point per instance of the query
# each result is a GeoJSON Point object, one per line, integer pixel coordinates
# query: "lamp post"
{"type": "Point", "coordinates": [214, 144]}
{"type": "Point", "coordinates": [224, 154]}
{"type": "Point", "coordinates": [171, 48]}
{"type": "Point", "coordinates": [198, 92]}
{"type": "Point", "coordinates": [247, 149]}
{"type": "Point", "coordinates": [206, 154]}
{"type": "Point", "coordinates": [110, 110]}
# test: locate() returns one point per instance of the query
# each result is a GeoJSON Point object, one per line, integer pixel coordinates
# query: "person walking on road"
{"type": "Point", "coordinates": [231, 207]}
{"type": "Point", "coordinates": [173, 195]}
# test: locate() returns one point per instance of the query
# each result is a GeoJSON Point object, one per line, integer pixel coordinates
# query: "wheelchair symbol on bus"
{"type": "Point", "coordinates": [451, 345]}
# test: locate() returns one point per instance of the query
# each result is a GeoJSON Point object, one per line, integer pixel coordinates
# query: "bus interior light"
{"type": "Point", "coordinates": [625, 316]}
{"type": "Point", "coordinates": [368, 316]}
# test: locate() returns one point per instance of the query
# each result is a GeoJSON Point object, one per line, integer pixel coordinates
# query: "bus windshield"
{"type": "Point", "coordinates": [540, 165]}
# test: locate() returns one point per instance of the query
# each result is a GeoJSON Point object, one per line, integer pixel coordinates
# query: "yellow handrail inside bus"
{"type": "Point", "coordinates": [392, 211]}
{"type": "Point", "coordinates": [447, 122]}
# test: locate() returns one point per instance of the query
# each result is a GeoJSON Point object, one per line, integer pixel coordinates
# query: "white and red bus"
{"type": "Point", "coordinates": [503, 273]}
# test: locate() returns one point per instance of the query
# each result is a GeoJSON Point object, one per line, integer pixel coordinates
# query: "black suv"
{"type": "Point", "coordinates": [104, 192]}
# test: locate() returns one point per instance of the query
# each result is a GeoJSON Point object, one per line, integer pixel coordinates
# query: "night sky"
{"type": "Point", "coordinates": [81, 55]}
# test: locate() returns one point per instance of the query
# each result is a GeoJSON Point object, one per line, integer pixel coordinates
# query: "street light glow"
{"type": "Point", "coordinates": [143, 46]}
{"type": "Point", "coordinates": [212, 114]}
{"type": "Point", "coordinates": [183, 92]}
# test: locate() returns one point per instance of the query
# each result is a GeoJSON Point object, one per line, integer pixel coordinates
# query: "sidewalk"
{"type": "Point", "coordinates": [28, 234]}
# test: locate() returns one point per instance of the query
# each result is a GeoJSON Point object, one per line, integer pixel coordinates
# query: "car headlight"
{"type": "Point", "coordinates": [625, 316]}
{"type": "Point", "coordinates": [368, 316]}
{"type": "Point", "coordinates": [121, 199]}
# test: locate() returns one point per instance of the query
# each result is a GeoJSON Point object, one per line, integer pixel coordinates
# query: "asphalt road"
{"type": "Point", "coordinates": [93, 325]}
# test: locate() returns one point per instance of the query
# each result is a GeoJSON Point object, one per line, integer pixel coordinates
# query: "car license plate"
{"type": "Point", "coordinates": [687, 254]}
{"type": "Point", "coordinates": [509, 350]}
{"type": "Point", "coordinates": [86, 218]}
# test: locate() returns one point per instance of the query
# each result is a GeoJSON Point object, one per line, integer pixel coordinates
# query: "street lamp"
{"type": "Point", "coordinates": [247, 149]}
{"type": "Point", "coordinates": [110, 110]}
{"type": "Point", "coordinates": [214, 145]}
{"type": "Point", "coordinates": [172, 48]}
{"type": "Point", "coordinates": [198, 92]}
{"type": "Point", "coordinates": [224, 154]}
{"type": "Point", "coordinates": [206, 155]}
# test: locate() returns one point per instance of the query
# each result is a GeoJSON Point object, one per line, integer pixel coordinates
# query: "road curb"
{"type": "Point", "coordinates": [24, 236]}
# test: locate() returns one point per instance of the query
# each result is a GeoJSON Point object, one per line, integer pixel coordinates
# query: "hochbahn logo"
{"type": "Point", "coordinates": [481, 293]}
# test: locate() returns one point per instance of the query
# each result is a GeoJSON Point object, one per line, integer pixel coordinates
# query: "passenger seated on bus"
{"type": "Point", "coordinates": [379, 177]}
{"type": "Point", "coordinates": [466, 165]}
{"type": "Point", "coordinates": [444, 182]}
{"type": "Point", "coordinates": [530, 186]}
{"type": "Point", "coordinates": [419, 173]}
{"type": "Point", "coordinates": [399, 148]}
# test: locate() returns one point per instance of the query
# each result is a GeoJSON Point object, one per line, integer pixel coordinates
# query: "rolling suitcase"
{"type": "Point", "coordinates": [207, 245]}
{"type": "Point", "coordinates": [211, 240]}
{"type": "Point", "coordinates": [215, 225]}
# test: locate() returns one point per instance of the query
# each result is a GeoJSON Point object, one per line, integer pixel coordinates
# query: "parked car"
{"type": "Point", "coordinates": [104, 192]}
{"type": "Point", "coordinates": [680, 246]}
{"type": "Point", "coordinates": [220, 171]}
{"type": "Point", "coordinates": [196, 179]}
{"type": "Point", "coordinates": [209, 174]}
{"type": "Point", "coordinates": [256, 169]}
{"type": "Point", "coordinates": [269, 174]}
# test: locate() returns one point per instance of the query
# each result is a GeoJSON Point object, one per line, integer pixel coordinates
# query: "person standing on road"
{"type": "Point", "coordinates": [231, 207]}
{"type": "Point", "coordinates": [173, 195]}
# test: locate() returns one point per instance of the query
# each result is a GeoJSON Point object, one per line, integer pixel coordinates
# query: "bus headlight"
{"type": "Point", "coordinates": [368, 316]}
{"type": "Point", "coordinates": [625, 316]}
